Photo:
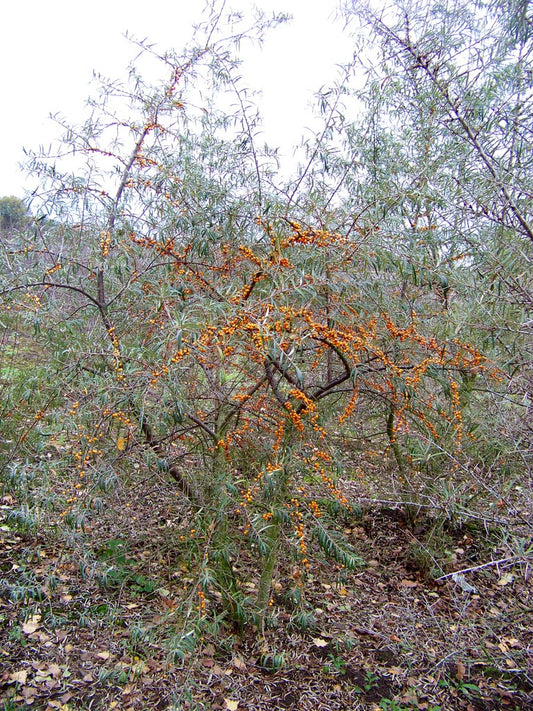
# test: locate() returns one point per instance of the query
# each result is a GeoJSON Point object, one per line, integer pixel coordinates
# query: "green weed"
{"type": "Point", "coordinates": [337, 665]}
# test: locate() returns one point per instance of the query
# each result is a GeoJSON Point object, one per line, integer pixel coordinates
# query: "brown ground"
{"type": "Point", "coordinates": [86, 623]}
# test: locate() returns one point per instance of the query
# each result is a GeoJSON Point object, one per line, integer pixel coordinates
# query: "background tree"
{"type": "Point", "coordinates": [13, 214]}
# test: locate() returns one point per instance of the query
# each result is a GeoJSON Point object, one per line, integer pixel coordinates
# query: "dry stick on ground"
{"type": "Point", "coordinates": [512, 559]}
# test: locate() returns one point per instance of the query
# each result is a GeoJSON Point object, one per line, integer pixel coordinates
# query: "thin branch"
{"type": "Point", "coordinates": [423, 62]}
{"type": "Point", "coordinates": [202, 425]}
{"type": "Point", "coordinates": [270, 378]}
{"type": "Point", "coordinates": [501, 561]}
{"type": "Point", "coordinates": [49, 284]}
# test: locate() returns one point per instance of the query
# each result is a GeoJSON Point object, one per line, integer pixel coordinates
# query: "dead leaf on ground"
{"type": "Point", "coordinates": [505, 579]}
{"type": "Point", "coordinates": [319, 642]}
{"type": "Point", "coordinates": [512, 642]}
{"type": "Point", "coordinates": [32, 624]}
{"type": "Point", "coordinates": [238, 663]}
{"type": "Point", "coordinates": [28, 692]}
{"type": "Point", "coordinates": [19, 676]}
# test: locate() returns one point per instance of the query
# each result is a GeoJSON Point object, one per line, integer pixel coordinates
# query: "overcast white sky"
{"type": "Point", "coordinates": [50, 48]}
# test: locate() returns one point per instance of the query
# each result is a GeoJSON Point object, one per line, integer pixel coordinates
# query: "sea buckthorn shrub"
{"type": "Point", "coordinates": [196, 329]}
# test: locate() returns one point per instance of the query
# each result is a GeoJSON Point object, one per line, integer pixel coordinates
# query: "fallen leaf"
{"type": "Point", "coordinates": [410, 698]}
{"type": "Point", "coordinates": [121, 444]}
{"type": "Point", "coordinates": [29, 692]}
{"type": "Point", "coordinates": [140, 667]}
{"type": "Point", "coordinates": [19, 676]}
{"type": "Point", "coordinates": [505, 579]}
{"type": "Point", "coordinates": [460, 670]}
{"type": "Point", "coordinates": [319, 642]}
{"type": "Point", "coordinates": [512, 642]}
{"type": "Point", "coordinates": [104, 655]}
{"type": "Point", "coordinates": [32, 624]}
{"type": "Point", "coordinates": [231, 705]}
{"type": "Point", "coordinates": [409, 584]}
{"type": "Point", "coordinates": [40, 677]}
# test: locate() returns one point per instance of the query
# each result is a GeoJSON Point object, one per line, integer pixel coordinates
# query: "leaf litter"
{"type": "Point", "coordinates": [386, 634]}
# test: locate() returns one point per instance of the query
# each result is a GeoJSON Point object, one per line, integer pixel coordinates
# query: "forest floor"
{"type": "Point", "coordinates": [87, 619]}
